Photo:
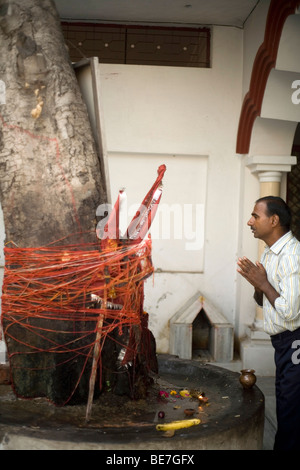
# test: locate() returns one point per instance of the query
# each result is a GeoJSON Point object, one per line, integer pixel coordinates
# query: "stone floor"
{"type": "Point", "coordinates": [267, 386]}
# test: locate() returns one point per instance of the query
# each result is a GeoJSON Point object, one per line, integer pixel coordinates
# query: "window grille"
{"type": "Point", "coordinates": [144, 45]}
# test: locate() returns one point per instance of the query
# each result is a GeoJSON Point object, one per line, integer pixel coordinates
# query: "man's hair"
{"type": "Point", "coordinates": [276, 205]}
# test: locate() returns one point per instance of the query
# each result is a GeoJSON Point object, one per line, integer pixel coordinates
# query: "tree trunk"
{"type": "Point", "coordinates": [51, 181]}
{"type": "Point", "coordinates": [50, 187]}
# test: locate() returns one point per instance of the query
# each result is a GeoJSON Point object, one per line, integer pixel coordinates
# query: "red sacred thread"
{"type": "Point", "coordinates": [47, 286]}
{"type": "Point", "coordinates": [57, 283]}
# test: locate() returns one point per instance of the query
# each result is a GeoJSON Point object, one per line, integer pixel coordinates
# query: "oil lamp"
{"type": "Point", "coordinates": [202, 398]}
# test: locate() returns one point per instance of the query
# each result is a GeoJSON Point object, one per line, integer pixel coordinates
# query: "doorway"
{"type": "Point", "coordinates": [293, 186]}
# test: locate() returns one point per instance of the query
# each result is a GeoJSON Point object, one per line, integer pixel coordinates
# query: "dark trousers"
{"type": "Point", "coordinates": [287, 360]}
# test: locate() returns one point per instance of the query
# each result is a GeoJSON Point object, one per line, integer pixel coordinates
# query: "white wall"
{"type": "Point", "coordinates": [164, 111]}
{"type": "Point", "coordinates": [179, 223]}
{"type": "Point", "coordinates": [254, 31]}
{"type": "Point", "coordinates": [289, 45]}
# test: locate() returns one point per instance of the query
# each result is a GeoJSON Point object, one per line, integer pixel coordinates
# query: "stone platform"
{"type": "Point", "coordinates": [232, 418]}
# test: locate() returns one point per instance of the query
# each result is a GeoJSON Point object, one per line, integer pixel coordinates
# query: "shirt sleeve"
{"type": "Point", "coordinates": [287, 305]}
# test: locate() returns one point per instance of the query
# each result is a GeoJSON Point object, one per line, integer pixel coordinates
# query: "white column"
{"type": "Point", "coordinates": [270, 185]}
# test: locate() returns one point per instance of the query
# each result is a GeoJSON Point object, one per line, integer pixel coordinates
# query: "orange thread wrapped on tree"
{"type": "Point", "coordinates": [96, 288]}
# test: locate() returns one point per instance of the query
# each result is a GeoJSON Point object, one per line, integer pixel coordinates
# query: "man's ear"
{"type": "Point", "coordinates": [275, 220]}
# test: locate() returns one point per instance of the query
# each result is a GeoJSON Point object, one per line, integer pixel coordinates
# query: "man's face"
{"type": "Point", "coordinates": [260, 223]}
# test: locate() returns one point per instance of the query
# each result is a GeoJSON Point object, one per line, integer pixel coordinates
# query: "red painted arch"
{"type": "Point", "coordinates": [264, 61]}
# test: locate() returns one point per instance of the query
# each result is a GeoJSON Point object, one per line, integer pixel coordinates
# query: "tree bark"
{"type": "Point", "coordinates": [50, 178]}
{"type": "Point", "coordinates": [51, 182]}
{"type": "Point", "coordinates": [50, 187]}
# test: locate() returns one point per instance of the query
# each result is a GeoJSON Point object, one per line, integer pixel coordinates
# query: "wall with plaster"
{"type": "Point", "coordinates": [186, 118]}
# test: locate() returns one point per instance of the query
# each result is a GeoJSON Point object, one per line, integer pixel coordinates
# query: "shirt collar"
{"type": "Point", "coordinates": [279, 244]}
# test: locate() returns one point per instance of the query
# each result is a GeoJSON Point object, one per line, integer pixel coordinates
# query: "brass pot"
{"type": "Point", "coordinates": [247, 378]}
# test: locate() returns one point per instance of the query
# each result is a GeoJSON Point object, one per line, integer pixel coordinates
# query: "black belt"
{"type": "Point", "coordinates": [285, 335]}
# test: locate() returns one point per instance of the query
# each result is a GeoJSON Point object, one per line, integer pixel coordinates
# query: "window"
{"type": "Point", "coordinates": [144, 45]}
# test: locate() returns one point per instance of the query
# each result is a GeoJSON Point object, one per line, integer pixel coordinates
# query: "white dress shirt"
{"type": "Point", "coordinates": [282, 263]}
